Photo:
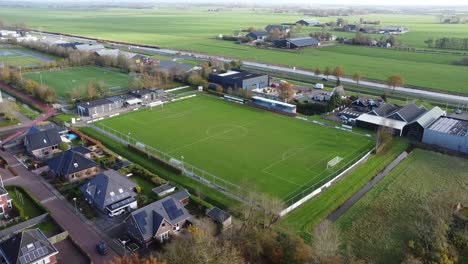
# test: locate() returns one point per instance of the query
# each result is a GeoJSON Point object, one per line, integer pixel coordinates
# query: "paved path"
{"type": "Point", "coordinates": [357, 196]}
{"type": "Point", "coordinates": [49, 111]}
{"type": "Point", "coordinates": [63, 213]}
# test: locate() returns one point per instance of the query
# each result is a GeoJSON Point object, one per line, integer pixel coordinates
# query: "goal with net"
{"type": "Point", "coordinates": [332, 163]}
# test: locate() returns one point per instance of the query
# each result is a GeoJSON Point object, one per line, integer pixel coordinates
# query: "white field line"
{"type": "Point", "coordinates": [299, 150]}
{"type": "Point", "coordinates": [281, 178]}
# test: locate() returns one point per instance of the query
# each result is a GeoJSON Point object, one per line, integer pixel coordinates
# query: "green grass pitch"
{"type": "Point", "coordinates": [258, 150]}
{"type": "Point", "coordinates": [65, 81]}
{"type": "Point", "coordinates": [20, 57]}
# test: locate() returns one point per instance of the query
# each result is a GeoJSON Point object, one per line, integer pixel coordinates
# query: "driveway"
{"type": "Point", "coordinates": [83, 232]}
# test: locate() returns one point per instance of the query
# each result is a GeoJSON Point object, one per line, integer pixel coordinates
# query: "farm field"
{"type": "Point", "coordinates": [172, 28]}
{"type": "Point", "coordinates": [382, 222]}
{"type": "Point", "coordinates": [257, 150]}
{"type": "Point", "coordinates": [16, 56]}
{"type": "Point", "coordinates": [67, 80]}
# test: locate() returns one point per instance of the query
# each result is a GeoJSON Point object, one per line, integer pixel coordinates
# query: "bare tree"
{"type": "Point", "coordinates": [327, 240]}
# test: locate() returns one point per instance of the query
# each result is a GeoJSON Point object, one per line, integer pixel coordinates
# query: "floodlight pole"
{"type": "Point", "coordinates": [76, 208]}
{"type": "Point", "coordinates": [128, 137]}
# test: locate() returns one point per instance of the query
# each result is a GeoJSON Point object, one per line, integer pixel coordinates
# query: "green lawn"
{"type": "Point", "coordinates": [27, 207]}
{"type": "Point", "coordinates": [27, 111]}
{"type": "Point", "coordinates": [379, 226]}
{"type": "Point", "coordinates": [312, 213]}
{"type": "Point", "coordinates": [5, 122]}
{"type": "Point", "coordinates": [257, 150]}
{"type": "Point", "coordinates": [67, 80]}
{"type": "Point", "coordinates": [174, 28]}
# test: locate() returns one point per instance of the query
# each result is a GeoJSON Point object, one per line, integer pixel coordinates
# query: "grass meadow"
{"type": "Point", "coordinates": [378, 227]}
{"type": "Point", "coordinates": [257, 150]}
{"type": "Point", "coordinates": [67, 80]}
{"type": "Point", "coordinates": [195, 29]}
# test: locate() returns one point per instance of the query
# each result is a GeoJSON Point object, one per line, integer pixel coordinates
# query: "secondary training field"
{"type": "Point", "coordinates": [258, 150]}
{"type": "Point", "coordinates": [65, 81]}
{"type": "Point", "coordinates": [21, 57]}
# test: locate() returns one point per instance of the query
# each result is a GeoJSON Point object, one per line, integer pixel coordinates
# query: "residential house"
{"type": "Point", "coordinates": [159, 220]}
{"type": "Point", "coordinates": [351, 28]}
{"type": "Point", "coordinates": [257, 35]}
{"type": "Point", "coordinates": [30, 246]}
{"type": "Point", "coordinates": [384, 109]}
{"type": "Point", "coordinates": [240, 79]}
{"type": "Point", "coordinates": [110, 192]}
{"type": "Point", "coordinates": [220, 217]}
{"type": "Point", "coordinates": [363, 104]}
{"type": "Point", "coordinates": [5, 202]}
{"type": "Point", "coordinates": [297, 43]}
{"type": "Point", "coordinates": [42, 142]}
{"type": "Point", "coordinates": [308, 22]}
{"type": "Point", "coordinates": [73, 165]}
{"type": "Point", "coordinates": [280, 28]}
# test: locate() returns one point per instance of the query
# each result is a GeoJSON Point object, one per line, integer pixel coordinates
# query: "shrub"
{"type": "Point", "coordinates": [138, 189]}
{"type": "Point", "coordinates": [64, 146]}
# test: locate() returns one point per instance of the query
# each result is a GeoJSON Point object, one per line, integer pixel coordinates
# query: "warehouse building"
{"type": "Point", "coordinates": [447, 132]}
{"type": "Point", "coordinates": [297, 43]}
{"type": "Point", "coordinates": [240, 79]}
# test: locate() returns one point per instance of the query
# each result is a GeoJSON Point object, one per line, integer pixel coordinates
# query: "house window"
{"type": "Point", "coordinates": [164, 236]}
{"type": "Point", "coordinates": [1, 210]}
{"type": "Point", "coordinates": [10, 205]}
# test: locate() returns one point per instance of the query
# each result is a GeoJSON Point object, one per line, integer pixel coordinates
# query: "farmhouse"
{"type": "Point", "coordinates": [5, 202]}
{"type": "Point", "coordinates": [42, 142]}
{"type": "Point", "coordinates": [28, 247]}
{"type": "Point", "coordinates": [110, 192]}
{"type": "Point", "coordinates": [257, 35]}
{"type": "Point", "coordinates": [280, 28]}
{"type": "Point", "coordinates": [157, 221]}
{"type": "Point", "coordinates": [308, 22]}
{"type": "Point", "coordinates": [240, 80]}
{"type": "Point", "coordinates": [297, 43]}
{"type": "Point", "coordinates": [448, 132]}
{"type": "Point", "coordinates": [73, 165]}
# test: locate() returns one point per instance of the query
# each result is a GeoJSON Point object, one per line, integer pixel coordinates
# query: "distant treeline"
{"type": "Point", "coordinates": [448, 43]}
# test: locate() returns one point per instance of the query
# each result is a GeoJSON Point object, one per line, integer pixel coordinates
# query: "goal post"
{"type": "Point", "coordinates": [332, 163]}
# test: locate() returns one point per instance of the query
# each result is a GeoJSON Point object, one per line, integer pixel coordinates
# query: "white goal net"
{"type": "Point", "coordinates": [332, 163]}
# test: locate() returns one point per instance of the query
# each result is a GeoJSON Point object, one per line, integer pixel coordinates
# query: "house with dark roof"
{"type": "Point", "coordinates": [308, 22]}
{"type": "Point", "coordinates": [280, 28]}
{"type": "Point", "coordinates": [173, 66]}
{"type": "Point", "coordinates": [257, 35]}
{"type": "Point", "coordinates": [237, 79]}
{"type": "Point", "coordinates": [407, 113]}
{"type": "Point", "coordinates": [30, 246]}
{"type": "Point", "coordinates": [73, 165]}
{"type": "Point", "coordinates": [415, 129]}
{"type": "Point", "coordinates": [157, 221]}
{"type": "Point", "coordinates": [5, 202]}
{"type": "Point", "coordinates": [219, 217]}
{"type": "Point", "coordinates": [384, 110]}
{"type": "Point", "coordinates": [351, 28]}
{"type": "Point", "coordinates": [42, 143]}
{"type": "Point", "coordinates": [297, 43]}
{"type": "Point", "coordinates": [110, 192]}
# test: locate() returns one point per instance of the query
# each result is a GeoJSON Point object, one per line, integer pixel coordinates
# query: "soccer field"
{"type": "Point", "coordinates": [22, 57]}
{"type": "Point", "coordinates": [67, 80]}
{"type": "Point", "coordinates": [257, 150]}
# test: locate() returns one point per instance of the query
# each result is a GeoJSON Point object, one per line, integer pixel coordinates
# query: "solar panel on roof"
{"type": "Point", "coordinates": [171, 209]}
{"type": "Point", "coordinates": [140, 218]}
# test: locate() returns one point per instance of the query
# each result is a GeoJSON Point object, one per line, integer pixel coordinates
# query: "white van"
{"type": "Point", "coordinates": [319, 86]}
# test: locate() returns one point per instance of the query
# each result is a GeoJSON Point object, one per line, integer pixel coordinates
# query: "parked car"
{"type": "Point", "coordinates": [325, 79]}
{"type": "Point", "coordinates": [458, 111]}
{"type": "Point", "coordinates": [116, 213]}
{"type": "Point", "coordinates": [102, 248]}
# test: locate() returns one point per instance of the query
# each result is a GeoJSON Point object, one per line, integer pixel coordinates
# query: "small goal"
{"type": "Point", "coordinates": [332, 163]}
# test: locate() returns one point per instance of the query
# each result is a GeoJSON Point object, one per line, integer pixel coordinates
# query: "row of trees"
{"type": "Point", "coordinates": [448, 43]}
{"type": "Point", "coordinates": [40, 91]}
{"type": "Point", "coordinates": [366, 40]}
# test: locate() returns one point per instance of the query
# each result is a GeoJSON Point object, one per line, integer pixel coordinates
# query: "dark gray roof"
{"type": "Point", "coordinates": [410, 112]}
{"type": "Point", "coordinates": [81, 149]}
{"type": "Point", "coordinates": [69, 162]}
{"type": "Point", "coordinates": [384, 109]}
{"type": "Point", "coordinates": [258, 33]}
{"type": "Point", "coordinates": [94, 103]}
{"type": "Point", "coordinates": [273, 27]}
{"type": "Point", "coordinates": [218, 215]}
{"type": "Point", "coordinates": [304, 42]}
{"type": "Point", "coordinates": [181, 195]}
{"type": "Point", "coordinates": [109, 188]}
{"type": "Point", "coordinates": [162, 188]}
{"type": "Point", "coordinates": [450, 126]}
{"type": "Point", "coordinates": [28, 246]}
{"type": "Point", "coordinates": [39, 139]}
{"type": "Point", "coordinates": [140, 92]}
{"type": "Point", "coordinates": [150, 217]}
{"type": "Point", "coordinates": [167, 65]}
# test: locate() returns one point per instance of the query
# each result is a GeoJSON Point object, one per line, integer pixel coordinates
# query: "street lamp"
{"type": "Point", "coordinates": [76, 208]}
